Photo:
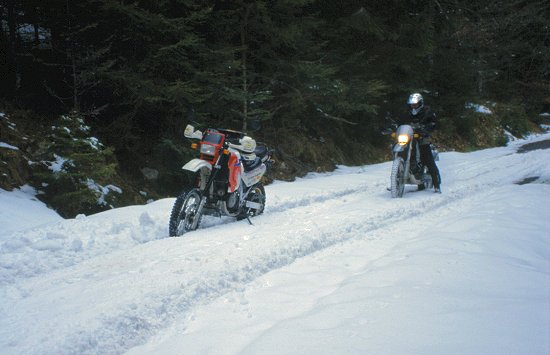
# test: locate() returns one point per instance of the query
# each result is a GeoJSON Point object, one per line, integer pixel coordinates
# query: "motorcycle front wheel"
{"type": "Point", "coordinates": [398, 177]}
{"type": "Point", "coordinates": [184, 215]}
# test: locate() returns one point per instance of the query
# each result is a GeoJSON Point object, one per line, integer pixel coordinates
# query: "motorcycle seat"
{"type": "Point", "coordinates": [260, 155]}
{"type": "Point", "coordinates": [261, 150]}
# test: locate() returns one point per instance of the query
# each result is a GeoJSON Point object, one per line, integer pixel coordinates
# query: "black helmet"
{"type": "Point", "coordinates": [415, 103]}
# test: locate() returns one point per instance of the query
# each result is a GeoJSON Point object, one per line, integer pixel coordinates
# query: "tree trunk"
{"type": "Point", "coordinates": [36, 35]}
{"type": "Point", "coordinates": [3, 58]}
{"type": "Point", "coordinates": [2, 37]}
{"type": "Point", "coordinates": [11, 58]}
{"type": "Point", "coordinates": [75, 83]}
{"type": "Point", "coordinates": [71, 55]}
{"type": "Point", "coordinates": [244, 74]}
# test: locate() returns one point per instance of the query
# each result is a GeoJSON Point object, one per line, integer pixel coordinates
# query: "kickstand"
{"type": "Point", "coordinates": [248, 219]}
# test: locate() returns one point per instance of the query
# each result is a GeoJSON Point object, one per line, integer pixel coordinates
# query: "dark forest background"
{"type": "Point", "coordinates": [104, 88]}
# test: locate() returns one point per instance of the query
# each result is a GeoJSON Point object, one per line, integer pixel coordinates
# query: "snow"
{"type": "Point", "coordinates": [333, 266]}
{"type": "Point", "coordinates": [7, 146]}
{"type": "Point", "coordinates": [479, 108]}
{"type": "Point", "coordinates": [57, 165]}
{"type": "Point", "coordinates": [94, 143]}
{"type": "Point", "coordinates": [20, 210]}
{"type": "Point", "coordinates": [103, 191]}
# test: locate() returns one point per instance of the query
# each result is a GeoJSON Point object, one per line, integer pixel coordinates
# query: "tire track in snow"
{"type": "Point", "coordinates": [34, 252]}
{"type": "Point", "coordinates": [235, 272]}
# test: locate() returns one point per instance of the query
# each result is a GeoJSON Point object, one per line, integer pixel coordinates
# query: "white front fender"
{"type": "Point", "coordinates": [195, 165]}
{"type": "Point", "coordinates": [399, 148]}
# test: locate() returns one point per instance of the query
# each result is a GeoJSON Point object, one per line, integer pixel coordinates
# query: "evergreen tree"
{"type": "Point", "coordinates": [521, 48]}
{"type": "Point", "coordinates": [78, 171]}
{"type": "Point", "coordinates": [8, 43]}
{"type": "Point", "coordinates": [313, 71]}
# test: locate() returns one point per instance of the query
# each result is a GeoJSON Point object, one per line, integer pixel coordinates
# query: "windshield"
{"type": "Point", "coordinates": [213, 138]}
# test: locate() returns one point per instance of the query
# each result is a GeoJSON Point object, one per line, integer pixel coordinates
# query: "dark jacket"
{"type": "Point", "coordinates": [425, 117]}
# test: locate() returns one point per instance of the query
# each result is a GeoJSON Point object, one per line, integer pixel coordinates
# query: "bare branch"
{"type": "Point", "coordinates": [336, 118]}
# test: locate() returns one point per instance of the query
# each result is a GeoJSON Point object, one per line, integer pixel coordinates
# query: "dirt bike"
{"type": "Point", "coordinates": [407, 166]}
{"type": "Point", "coordinates": [227, 179]}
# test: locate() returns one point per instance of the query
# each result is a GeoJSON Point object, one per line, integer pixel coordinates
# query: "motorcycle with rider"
{"type": "Point", "coordinates": [413, 153]}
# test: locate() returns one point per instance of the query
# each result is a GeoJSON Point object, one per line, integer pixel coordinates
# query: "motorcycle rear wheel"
{"type": "Point", "coordinates": [184, 215]}
{"type": "Point", "coordinates": [397, 177]}
{"type": "Point", "coordinates": [257, 195]}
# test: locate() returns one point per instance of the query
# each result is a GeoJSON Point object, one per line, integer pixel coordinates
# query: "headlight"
{"type": "Point", "coordinates": [208, 149]}
{"type": "Point", "coordinates": [403, 139]}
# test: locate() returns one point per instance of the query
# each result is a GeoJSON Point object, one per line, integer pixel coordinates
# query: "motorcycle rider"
{"type": "Point", "coordinates": [418, 113]}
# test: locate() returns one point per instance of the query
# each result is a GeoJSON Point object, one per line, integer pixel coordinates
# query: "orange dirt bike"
{"type": "Point", "coordinates": [227, 177]}
{"type": "Point", "coordinates": [407, 166]}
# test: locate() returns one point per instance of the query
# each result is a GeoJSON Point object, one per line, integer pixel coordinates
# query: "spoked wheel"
{"type": "Point", "coordinates": [184, 215]}
{"type": "Point", "coordinates": [255, 202]}
{"type": "Point", "coordinates": [398, 177]}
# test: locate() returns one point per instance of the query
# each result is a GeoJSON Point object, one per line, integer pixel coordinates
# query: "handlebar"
{"type": "Point", "coordinates": [419, 128]}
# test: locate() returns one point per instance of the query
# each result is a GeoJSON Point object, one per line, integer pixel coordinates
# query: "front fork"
{"type": "Point", "coordinates": [406, 154]}
{"type": "Point", "coordinates": [204, 192]}
{"type": "Point", "coordinates": [198, 213]}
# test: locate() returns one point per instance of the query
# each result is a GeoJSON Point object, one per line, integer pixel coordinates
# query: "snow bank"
{"type": "Point", "coordinates": [21, 210]}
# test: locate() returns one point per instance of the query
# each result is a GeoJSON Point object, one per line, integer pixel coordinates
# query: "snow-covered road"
{"type": "Point", "coordinates": [334, 265]}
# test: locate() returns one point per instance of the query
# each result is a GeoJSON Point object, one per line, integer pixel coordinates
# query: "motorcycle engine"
{"type": "Point", "coordinates": [220, 188]}
{"type": "Point", "coordinates": [416, 169]}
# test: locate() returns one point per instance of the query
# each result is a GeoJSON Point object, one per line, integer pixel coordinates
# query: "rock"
{"type": "Point", "coordinates": [150, 174]}
{"type": "Point", "coordinates": [14, 169]}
